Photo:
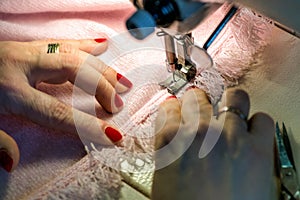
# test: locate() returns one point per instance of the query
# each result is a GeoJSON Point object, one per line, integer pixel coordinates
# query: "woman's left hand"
{"type": "Point", "coordinates": [23, 65]}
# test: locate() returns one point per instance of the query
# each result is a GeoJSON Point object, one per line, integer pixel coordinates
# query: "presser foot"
{"type": "Point", "coordinates": [179, 78]}
{"type": "Point", "coordinates": [173, 83]}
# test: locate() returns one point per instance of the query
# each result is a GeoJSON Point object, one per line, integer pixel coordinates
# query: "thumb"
{"type": "Point", "coordinates": [9, 152]}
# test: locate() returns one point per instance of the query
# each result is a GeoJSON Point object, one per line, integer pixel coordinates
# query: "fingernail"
{"type": "Point", "coordinates": [191, 87]}
{"type": "Point", "coordinates": [113, 134]}
{"type": "Point", "coordinates": [124, 81]}
{"type": "Point", "coordinates": [100, 40]}
{"type": "Point", "coordinates": [6, 162]}
{"type": "Point", "coordinates": [171, 97]}
{"type": "Point", "coordinates": [118, 101]}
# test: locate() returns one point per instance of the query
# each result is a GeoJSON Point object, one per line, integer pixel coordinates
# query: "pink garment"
{"type": "Point", "coordinates": [45, 154]}
{"type": "Point", "coordinates": [36, 6]}
{"type": "Point", "coordinates": [32, 20]}
{"type": "Point", "coordinates": [51, 163]}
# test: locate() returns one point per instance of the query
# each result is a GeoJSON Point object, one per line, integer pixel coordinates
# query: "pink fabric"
{"type": "Point", "coordinates": [62, 19]}
{"type": "Point", "coordinates": [47, 153]}
{"type": "Point", "coordinates": [36, 6]}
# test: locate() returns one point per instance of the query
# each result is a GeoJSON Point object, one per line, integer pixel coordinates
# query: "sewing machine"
{"type": "Point", "coordinates": [188, 14]}
{"type": "Point", "coordinates": [178, 17]}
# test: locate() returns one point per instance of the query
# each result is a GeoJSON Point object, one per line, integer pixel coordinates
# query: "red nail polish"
{"type": "Point", "coordinates": [100, 40]}
{"type": "Point", "coordinates": [191, 87]}
{"type": "Point", "coordinates": [124, 81]}
{"type": "Point", "coordinates": [5, 160]}
{"type": "Point", "coordinates": [118, 101]}
{"type": "Point", "coordinates": [171, 97]}
{"type": "Point", "coordinates": [113, 134]}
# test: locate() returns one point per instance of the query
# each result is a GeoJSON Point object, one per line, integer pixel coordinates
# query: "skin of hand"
{"type": "Point", "coordinates": [23, 65]}
{"type": "Point", "coordinates": [239, 166]}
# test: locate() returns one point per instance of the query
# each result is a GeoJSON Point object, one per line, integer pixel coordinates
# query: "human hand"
{"type": "Point", "coordinates": [23, 65]}
{"type": "Point", "coordinates": [240, 164]}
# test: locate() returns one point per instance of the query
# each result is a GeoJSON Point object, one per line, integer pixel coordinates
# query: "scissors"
{"type": "Point", "coordinates": [290, 188]}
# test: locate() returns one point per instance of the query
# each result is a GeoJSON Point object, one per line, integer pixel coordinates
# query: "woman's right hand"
{"type": "Point", "coordinates": [239, 161]}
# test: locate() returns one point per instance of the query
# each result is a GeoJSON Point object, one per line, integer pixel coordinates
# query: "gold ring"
{"type": "Point", "coordinates": [53, 48]}
{"type": "Point", "coordinates": [233, 110]}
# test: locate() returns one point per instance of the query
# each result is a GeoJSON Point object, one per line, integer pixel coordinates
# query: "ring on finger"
{"type": "Point", "coordinates": [53, 48]}
{"type": "Point", "coordinates": [234, 110]}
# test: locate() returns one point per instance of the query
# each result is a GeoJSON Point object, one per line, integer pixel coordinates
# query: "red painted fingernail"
{"type": "Point", "coordinates": [171, 97]}
{"type": "Point", "coordinates": [118, 101]}
{"type": "Point", "coordinates": [124, 81]}
{"type": "Point", "coordinates": [113, 134]}
{"type": "Point", "coordinates": [5, 160]}
{"type": "Point", "coordinates": [100, 40]}
{"type": "Point", "coordinates": [191, 87]}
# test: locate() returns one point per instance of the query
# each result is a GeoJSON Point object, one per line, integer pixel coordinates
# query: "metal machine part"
{"type": "Point", "coordinates": [184, 60]}
{"type": "Point", "coordinates": [178, 61]}
{"type": "Point", "coordinates": [184, 15]}
{"type": "Point", "coordinates": [179, 15]}
{"type": "Point", "coordinates": [179, 51]}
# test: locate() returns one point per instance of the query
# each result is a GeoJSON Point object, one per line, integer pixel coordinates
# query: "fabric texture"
{"type": "Point", "coordinates": [54, 165]}
{"type": "Point", "coordinates": [35, 6]}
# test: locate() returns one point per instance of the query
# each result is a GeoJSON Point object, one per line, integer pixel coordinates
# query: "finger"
{"type": "Point", "coordinates": [117, 80]}
{"type": "Point", "coordinates": [237, 99]}
{"type": "Point", "coordinates": [167, 121]}
{"type": "Point", "coordinates": [262, 132]}
{"type": "Point", "coordinates": [94, 83]}
{"type": "Point", "coordinates": [196, 108]}
{"type": "Point", "coordinates": [74, 59]}
{"type": "Point", "coordinates": [9, 152]}
{"type": "Point", "coordinates": [91, 46]}
{"type": "Point", "coordinates": [62, 67]}
{"type": "Point", "coordinates": [46, 110]}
